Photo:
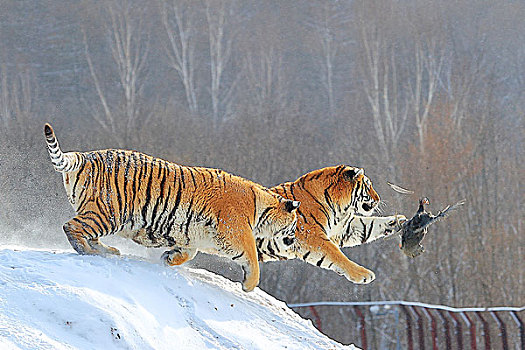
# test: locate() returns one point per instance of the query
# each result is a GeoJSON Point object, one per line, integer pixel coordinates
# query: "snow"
{"type": "Point", "coordinates": [61, 300]}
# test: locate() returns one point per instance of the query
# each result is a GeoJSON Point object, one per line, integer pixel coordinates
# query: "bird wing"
{"type": "Point", "coordinates": [399, 189]}
{"type": "Point", "coordinates": [446, 211]}
{"type": "Point", "coordinates": [431, 218]}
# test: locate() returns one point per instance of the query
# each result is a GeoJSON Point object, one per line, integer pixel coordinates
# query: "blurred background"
{"type": "Point", "coordinates": [429, 95]}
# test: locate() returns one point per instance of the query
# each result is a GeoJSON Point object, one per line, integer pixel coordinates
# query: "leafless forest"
{"type": "Point", "coordinates": [426, 94]}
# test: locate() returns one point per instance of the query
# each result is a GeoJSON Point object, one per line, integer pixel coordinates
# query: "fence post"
{"type": "Point", "coordinates": [472, 330]}
{"type": "Point", "coordinates": [409, 327]}
{"type": "Point", "coordinates": [364, 344]}
{"type": "Point", "coordinates": [443, 316]}
{"type": "Point", "coordinates": [433, 331]}
{"type": "Point", "coordinates": [486, 330]}
{"type": "Point", "coordinates": [316, 317]}
{"type": "Point", "coordinates": [457, 329]}
{"type": "Point", "coordinates": [519, 322]}
{"type": "Point", "coordinates": [503, 330]}
{"type": "Point", "coordinates": [420, 328]}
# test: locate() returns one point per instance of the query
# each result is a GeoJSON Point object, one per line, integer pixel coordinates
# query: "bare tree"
{"type": "Point", "coordinates": [263, 81]}
{"type": "Point", "coordinates": [326, 21]}
{"type": "Point", "coordinates": [129, 47]}
{"type": "Point", "coordinates": [381, 87]}
{"type": "Point", "coordinates": [220, 44]}
{"type": "Point", "coordinates": [263, 72]}
{"type": "Point", "coordinates": [176, 19]}
{"type": "Point", "coordinates": [460, 78]}
{"type": "Point", "coordinates": [17, 99]}
{"type": "Point", "coordinates": [5, 101]}
{"type": "Point", "coordinates": [427, 69]}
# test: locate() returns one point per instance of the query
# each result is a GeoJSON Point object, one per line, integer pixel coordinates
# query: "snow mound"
{"type": "Point", "coordinates": [61, 300]}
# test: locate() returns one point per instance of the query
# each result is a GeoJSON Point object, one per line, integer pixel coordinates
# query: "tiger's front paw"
{"type": "Point", "coordinates": [248, 286]}
{"type": "Point", "coordinates": [251, 277]}
{"type": "Point", "coordinates": [363, 276]}
{"type": "Point", "coordinates": [394, 225]}
{"type": "Point", "coordinates": [400, 219]}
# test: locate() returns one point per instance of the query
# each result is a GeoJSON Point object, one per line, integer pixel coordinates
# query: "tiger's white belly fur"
{"type": "Point", "coordinates": [197, 234]}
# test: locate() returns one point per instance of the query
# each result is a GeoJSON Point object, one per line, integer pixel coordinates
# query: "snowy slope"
{"type": "Point", "coordinates": [61, 300]}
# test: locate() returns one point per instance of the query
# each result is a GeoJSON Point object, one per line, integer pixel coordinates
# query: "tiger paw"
{"type": "Point", "coordinates": [101, 249]}
{"type": "Point", "coordinates": [396, 223]}
{"type": "Point", "coordinates": [112, 251]}
{"type": "Point", "coordinates": [165, 258]}
{"type": "Point", "coordinates": [172, 257]}
{"type": "Point", "coordinates": [393, 226]}
{"type": "Point", "coordinates": [249, 285]}
{"type": "Point", "coordinates": [400, 220]}
{"type": "Point", "coordinates": [250, 279]}
{"type": "Point", "coordinates": [177, 256]}
{"type": "Point", "coordinates": [364, 276]}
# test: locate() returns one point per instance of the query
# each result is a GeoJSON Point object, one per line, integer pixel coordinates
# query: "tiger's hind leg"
{"type": "Point", "coordinates": [83, 236]}
{"type": "Point", "coordinates": [178, 256]}
{"type": "Point", "coordinates": [103, 248]}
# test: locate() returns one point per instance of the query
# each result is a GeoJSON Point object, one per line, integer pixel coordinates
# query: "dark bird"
{"type": "Point", "coordinates": [414, 230]}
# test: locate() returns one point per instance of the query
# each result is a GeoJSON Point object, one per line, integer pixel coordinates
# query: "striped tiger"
{"type": "Point", "coordinates": [161, 204]}
{"type": "Point", "coordinates": [337, 204]}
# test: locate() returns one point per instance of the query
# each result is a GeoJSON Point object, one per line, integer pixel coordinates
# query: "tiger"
{"type": "Point", "coordinates": [337, 204]}
{"type": "Point", "coordinates": [157, 203]}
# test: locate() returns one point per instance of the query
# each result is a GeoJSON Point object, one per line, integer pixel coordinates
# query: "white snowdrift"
{"type": "Point", "coordinates": [61, 300]}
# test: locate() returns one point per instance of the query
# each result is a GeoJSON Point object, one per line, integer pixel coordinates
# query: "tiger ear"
{"type": "Point", "coordinates": [290, 205]}
{"type": "Point", "coordinates": [352, 174]}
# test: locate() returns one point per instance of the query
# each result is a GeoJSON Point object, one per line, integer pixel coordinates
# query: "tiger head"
{"type": "Point", "coordinates": [345, 188]}
{"type": "Point", "coordinates": [354, 190]}
{"type": "Point", "coordinates": [278, 221]}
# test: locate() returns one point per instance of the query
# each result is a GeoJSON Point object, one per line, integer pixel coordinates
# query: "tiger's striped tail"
{"type": "Point", "coordinates": [63, 162]}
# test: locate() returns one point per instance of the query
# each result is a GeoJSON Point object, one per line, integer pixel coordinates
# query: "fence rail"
{"type": "Point", "coordinates": [436, 326]}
